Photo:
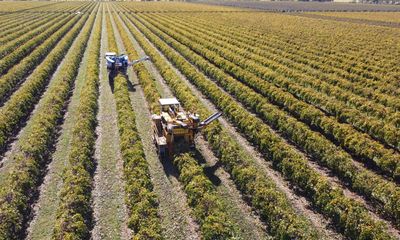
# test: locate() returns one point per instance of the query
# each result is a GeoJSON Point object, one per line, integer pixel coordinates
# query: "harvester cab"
{"type": "Point", "coordinates": [120, 63]}
{"type": "Point", "coordinates": [174, 126]}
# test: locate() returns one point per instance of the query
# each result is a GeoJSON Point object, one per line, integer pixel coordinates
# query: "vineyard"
{"type": "Point", "coordinates": [308, 145]}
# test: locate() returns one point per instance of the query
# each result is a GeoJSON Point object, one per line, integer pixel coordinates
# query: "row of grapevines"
{"type": "Point", "coordinates": [358, 144]}
{"type": "Point", "coordinates": [320, 63]}
{"type": "Point", "coordinates": [19, 106]}
{"type": "Point", "coordinates": [145, 78]}
{"type": "Point", "coordinates": [13, 7]}
{"type": "Point", "coordinates": [350, 216]}
{"type": "Point", "coordinates": [6, 18]}
{"type": "Point", "coordinates": [140, 198]}
{"type": "Point", "coordinates": [355, 45]}
{"type": "Point", "coordinates": [22, 20]}
{"type": "Point", "coordinates": [69, 8]}
{"type": "Point", "coordinates": [74, 211]}
{"type": "Point", "coordinates": [15, 21]}
{"type": "Point", "coordinates": [20, 30]}
{"type": "Point", "coordinates": [31, 157]}
{"type": "Point", "coordinates": [262, 192]}
{"type": "Point", "coordinates": [214, 22]}
{"type": "Point", "coordinates": [363, 86]}
{"type": "Point", "coordinates": [385, 193]}
{"type": "Point", "coordinates": [41, 35]}
{"type": "Point", "coordinates": [278, 60]}
{"type": "Point", "coordinates": [85, 8]}
{"type": "Point", "coordinates": [202, 197]}
{"type": "Point", "coordinates": [385, 132]}
{"type": "Point", "coordinates": [17, 73]}
{"type": "Point", "coordinates": [18, 42]}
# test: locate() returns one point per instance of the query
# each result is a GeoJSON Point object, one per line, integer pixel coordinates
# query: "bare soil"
{"type": "Point", "coordinates": [301, 205]}
{"type": "Point", "coordinates": [176, 219]}
{"type": "Point", "coordinates": [110, 212]}
{"type": "Point", "coordinates": [312, 163]}
{"type": "Point", "coordinates": [6, 161]}
{"type": "Point", "coordinates": [44, 210]}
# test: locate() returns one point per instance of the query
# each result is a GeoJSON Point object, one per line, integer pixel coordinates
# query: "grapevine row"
{"type": "Point", "coordinates": [350, 216]}
{"type": "Point", "coordinates": [21, 40]}
{"type": "Point", "coordinates": [74, 211]}
{"type": "Point", "coordinates": [32, 154]}
{"type": "Point", "coordinates": [358, 144]}
{"type": "Point", "coordinates": [42, 34]}
{"type": "Point", "coordinates": [262, 55]}
{"type": "Point", "coordinates": [17, 73]}
{"type": "Point", "coordinates": [20, 30]}
{"type": "Point", "coordinates": [385, 193]}
{"type": "Point", "coordinates": [140, 198]}
{"type": "Point", "coordinates": [248, 32]}
{"type": "Point", "coordinates": [15, 21]}
{"type": "Point", "coordinates": [262, 192]}
{"type": "Point", "coordinates": [352, 49]}
{"type": "Point", "coordinates": [19, 106]}
{"type": "Point", "coordinates": [202, 197]}
{"type": "Point", "coordinates": [319, 63]}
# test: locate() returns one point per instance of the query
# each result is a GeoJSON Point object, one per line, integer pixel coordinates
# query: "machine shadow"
{"type": "Point", "coordinates": [171, 170]}
{"type": "Point", "coordinates": [209, 171]}
{"type": "Point", "coordinates": [132, 87]}
{"type": "Point", "coordinates": [168, 167]}
{"type": "Point", "coordinates": [111, 77]}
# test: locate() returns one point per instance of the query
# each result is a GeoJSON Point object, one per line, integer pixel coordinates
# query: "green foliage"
{"type": "Point", "coordinates": [19, 106]}
{"type": "Point", "coordinates": [74, 212]}
{"type": "Point", "coordinates": [16, 50]}
{"type": "Point", "coordinates": [233, 159]}
{"type": "Point", "coordinates": [139, 196]}
{"type": "Point", "coordinates": [31, 156]}
{"type": "Point", "coordinates": [254, 74]}
{"type": "Point", "coordinates": [201, 194]}
{"type": "Point", "coordinates": [207, 208]}
{"type": "Point", "coordinates": [292, 165]}
{"type": "Point", "coordinates": [377, 188]}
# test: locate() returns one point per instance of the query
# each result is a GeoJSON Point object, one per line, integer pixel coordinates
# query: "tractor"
{"type": "Point", "coordinates": [120, 63]}
{"type": "Point", "coordinates": [176, 128]}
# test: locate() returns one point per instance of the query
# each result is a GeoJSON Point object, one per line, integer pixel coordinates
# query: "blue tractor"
{"type": "Point", "coordinates": [120, 63]}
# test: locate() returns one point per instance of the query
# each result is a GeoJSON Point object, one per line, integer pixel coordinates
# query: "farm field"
{"type": "Point", "coordinates": [311, 6]}
{"type": "Point", "coordinates": [308, 145]}
{"type": "Point", "coordinates": [378, 16]}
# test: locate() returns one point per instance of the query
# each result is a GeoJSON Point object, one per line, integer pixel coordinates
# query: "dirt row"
{"type": "Point", "coordinates": [240, 213]}
{"type": "Point", "coordinates": [328, 174]}
{"type": "Point", "coordinates": [109, 210]}
{"type": "Point", "coordinates": [348, 193]}
{"type": "Point", "coordinates": [298, 202]}
{"type": "Point", "coordinates": [175, 215]}
{"type": "Point", "coordinates": [43, 213]}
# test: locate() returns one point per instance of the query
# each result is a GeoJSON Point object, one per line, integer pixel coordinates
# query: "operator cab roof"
{"type": "Point", "coordinates": [168, 101]}
{"type": "Point", "coordinates": [111, 54]}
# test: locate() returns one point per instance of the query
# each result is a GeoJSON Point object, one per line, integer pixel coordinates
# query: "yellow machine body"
{"type": "Point", "coordinates": [173, 126]}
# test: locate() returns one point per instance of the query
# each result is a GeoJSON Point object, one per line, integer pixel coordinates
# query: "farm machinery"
{"type": "Point", "coordinates": [176, 128]}
{"type": "Point", "coordinates": [120, 63]}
